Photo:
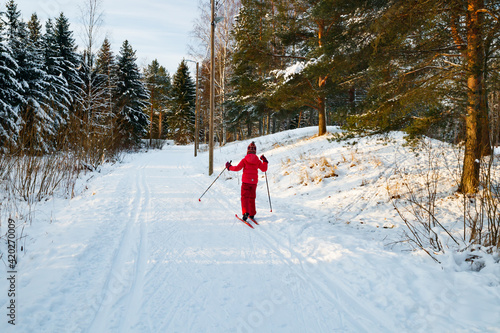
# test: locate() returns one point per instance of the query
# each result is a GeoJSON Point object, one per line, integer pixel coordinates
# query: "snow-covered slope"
{"type": "Point", "coordinates": [137, 252]}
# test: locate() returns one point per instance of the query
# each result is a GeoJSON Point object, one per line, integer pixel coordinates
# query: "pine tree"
{"type": "Point", "coordinates": [432, 71]}
{"type": "Point", "coordinates": [252, 63]}
{"type": "Point", "coordinates": [131, 98]}
{"type": "Point", "coordinates": [157, 80]}
{"type": "Point", "coordinates": [308, 30]}
{"type": "Point", "coordinates": [181, 114]}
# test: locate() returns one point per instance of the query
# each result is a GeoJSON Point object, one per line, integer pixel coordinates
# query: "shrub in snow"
{"type": "Point", "coordinates": [309, 170]}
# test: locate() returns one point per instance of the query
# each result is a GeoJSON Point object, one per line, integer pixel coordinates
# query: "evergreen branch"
{"type": "Point", "coordinates": [487, 11]}
{"type": "Point", "coordinates": [451, 64]}
{"type": "Point", "coordinates": [491, 36]}
{"type": "Point", "coordinates": [459, 42]}
{"type": "Point", "coordinates": [283, 56]}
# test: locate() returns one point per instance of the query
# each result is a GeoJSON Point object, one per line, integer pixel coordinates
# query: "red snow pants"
{"type": "Point", "coordinates": [248, 194]}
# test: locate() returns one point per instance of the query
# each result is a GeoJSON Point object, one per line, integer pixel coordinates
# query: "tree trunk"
{"type": "Point", "coordinates": [249, 128]}
{"type": "Point", "coordinates": [475, 99]}
{"type": "Point", "coordinates": [268, 123]}
{"type": "Point", "coordinates": [160, 125]}
{"type": "Point", "coordinates": [321, 116]}
{"type": "Point", "coordinates": [151, 120]}
{"type": "Point", "coordinates": [321, 84]}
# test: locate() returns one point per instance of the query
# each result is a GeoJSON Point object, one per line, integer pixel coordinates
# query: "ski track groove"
{"type": "Point", "coordinates": [297, 287]}
{"type": "Point", "coordinates": [112, 298]}
{"type": "Point", "coordinates": [178, 301]}
{"type": "Point", "coordinates": [134, 301]}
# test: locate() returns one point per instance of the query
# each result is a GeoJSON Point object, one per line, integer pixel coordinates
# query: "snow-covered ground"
{"type": "Point", "coordinates": [135, 251]}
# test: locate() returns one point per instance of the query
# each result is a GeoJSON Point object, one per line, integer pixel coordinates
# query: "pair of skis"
{"type": "Point", "coordinates": [246, 222]}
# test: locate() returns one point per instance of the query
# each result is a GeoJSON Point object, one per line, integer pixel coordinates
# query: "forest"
{"type": "Point", "coordinates": [377, 208]}
{"type": "Point", "coordinates": [423, 67]}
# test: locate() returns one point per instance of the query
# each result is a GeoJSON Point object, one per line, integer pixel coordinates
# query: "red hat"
{"type": "Point", "coordinates": [252, 149]}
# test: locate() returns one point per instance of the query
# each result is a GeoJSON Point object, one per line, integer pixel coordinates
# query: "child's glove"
{"type": "Point", "coordinates": [228, 164]}
{"type": "Point", "coordinates": [263, 159]}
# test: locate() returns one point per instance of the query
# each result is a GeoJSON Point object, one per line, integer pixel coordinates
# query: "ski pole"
{"type": "Point", "coordinates": [212, 183]}
{"type": "Point", "coordinates": [268, 195]}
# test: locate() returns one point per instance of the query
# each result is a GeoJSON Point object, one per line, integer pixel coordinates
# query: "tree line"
{"type": "Point", "coordinates": [424, 67]}
{"type": "Point", "coordinates": [93, 104]}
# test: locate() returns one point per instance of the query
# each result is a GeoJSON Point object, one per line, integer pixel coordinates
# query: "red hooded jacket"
{"type": "Point", "coordinates": [250, 165]}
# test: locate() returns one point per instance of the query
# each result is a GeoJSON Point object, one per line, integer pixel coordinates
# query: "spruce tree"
{"type": "Point", "coordinates": [66, 51]}
{"type": "Point", "coordinates": [107, 71]}
{"type": "Point", "coordinates": [10, 92]}
{"type": "Point", "coordinates": [59, 95]}
{"type": "Point", "coordinates": [181, 113]}
{"type": "Point", "coordinates": [61, 65]}
{"type": "Point", "coordinates": [37, 121]}
{"type": "Point", "coordinates": [35, 31]}
{"type": "Point", "coordinates": [131, 98]}
{"type": "Point", "coordinates": [45, 118]}
{"type": "Point", "coordinates": [105, 62]}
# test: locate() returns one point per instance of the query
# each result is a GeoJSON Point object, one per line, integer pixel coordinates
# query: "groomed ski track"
{"type": "Point", "coordinates": [152, 258]}
{"type": "Point", "coordinates": [137, 252]}
{"type": "Point", "coordinates": [179, 265]}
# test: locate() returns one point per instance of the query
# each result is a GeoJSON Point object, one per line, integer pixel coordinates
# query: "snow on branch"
{"type": "Point", "coordinates": [295, 69]}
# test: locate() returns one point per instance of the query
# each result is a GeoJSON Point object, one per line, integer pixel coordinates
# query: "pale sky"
{"type": "Point", "coordinates": [156, 29]}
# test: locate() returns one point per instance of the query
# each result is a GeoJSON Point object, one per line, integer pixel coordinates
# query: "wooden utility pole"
{"type": "Point", "coordinates": [196, 112]}
{"type": "Point", "coordinates": [212, 94]}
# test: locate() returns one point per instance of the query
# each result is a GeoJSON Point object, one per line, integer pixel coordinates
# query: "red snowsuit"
{"type": "Point", "coordinates": [250, 165]}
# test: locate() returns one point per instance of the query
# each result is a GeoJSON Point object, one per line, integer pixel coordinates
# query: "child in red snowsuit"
{"type": "Point", "coordinates": [250, 165]}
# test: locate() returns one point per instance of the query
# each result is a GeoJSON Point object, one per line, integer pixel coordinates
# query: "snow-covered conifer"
{"type": "Point", "coordinates": [131, 97]}
{"type": "Point", "coordinates": [37, 119]}
{"type": "Point", "coordinates": [181, 114]}
{"type": "Point", "coordinates": [10, 92]}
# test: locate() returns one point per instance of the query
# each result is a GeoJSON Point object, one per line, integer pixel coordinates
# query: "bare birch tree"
{"type": "Point", "coordinates": [93, 93]}
{"type": "Point", "coordinates": [223, 51]}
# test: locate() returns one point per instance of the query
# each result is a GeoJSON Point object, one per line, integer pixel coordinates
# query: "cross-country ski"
{"type": "Point", "coordinates": [253, 220]}
{"type": "Point", "coordinates": [242, 220]}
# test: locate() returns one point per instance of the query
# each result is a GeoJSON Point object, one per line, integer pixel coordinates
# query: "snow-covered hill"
{"type": "Point", "coordinates": [136, 251]}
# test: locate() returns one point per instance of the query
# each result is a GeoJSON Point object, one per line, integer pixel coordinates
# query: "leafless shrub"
{"type": "Point", "coordinates": [415, 199]}
{"type": "Point", "coordinates": [417, 204]}
{"type": "Point", "coordinates": [33, 178]}
{"type": "Point", "coordinates": [482, 211]}
{"type": "Point", "coordinates": [156, 144]}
